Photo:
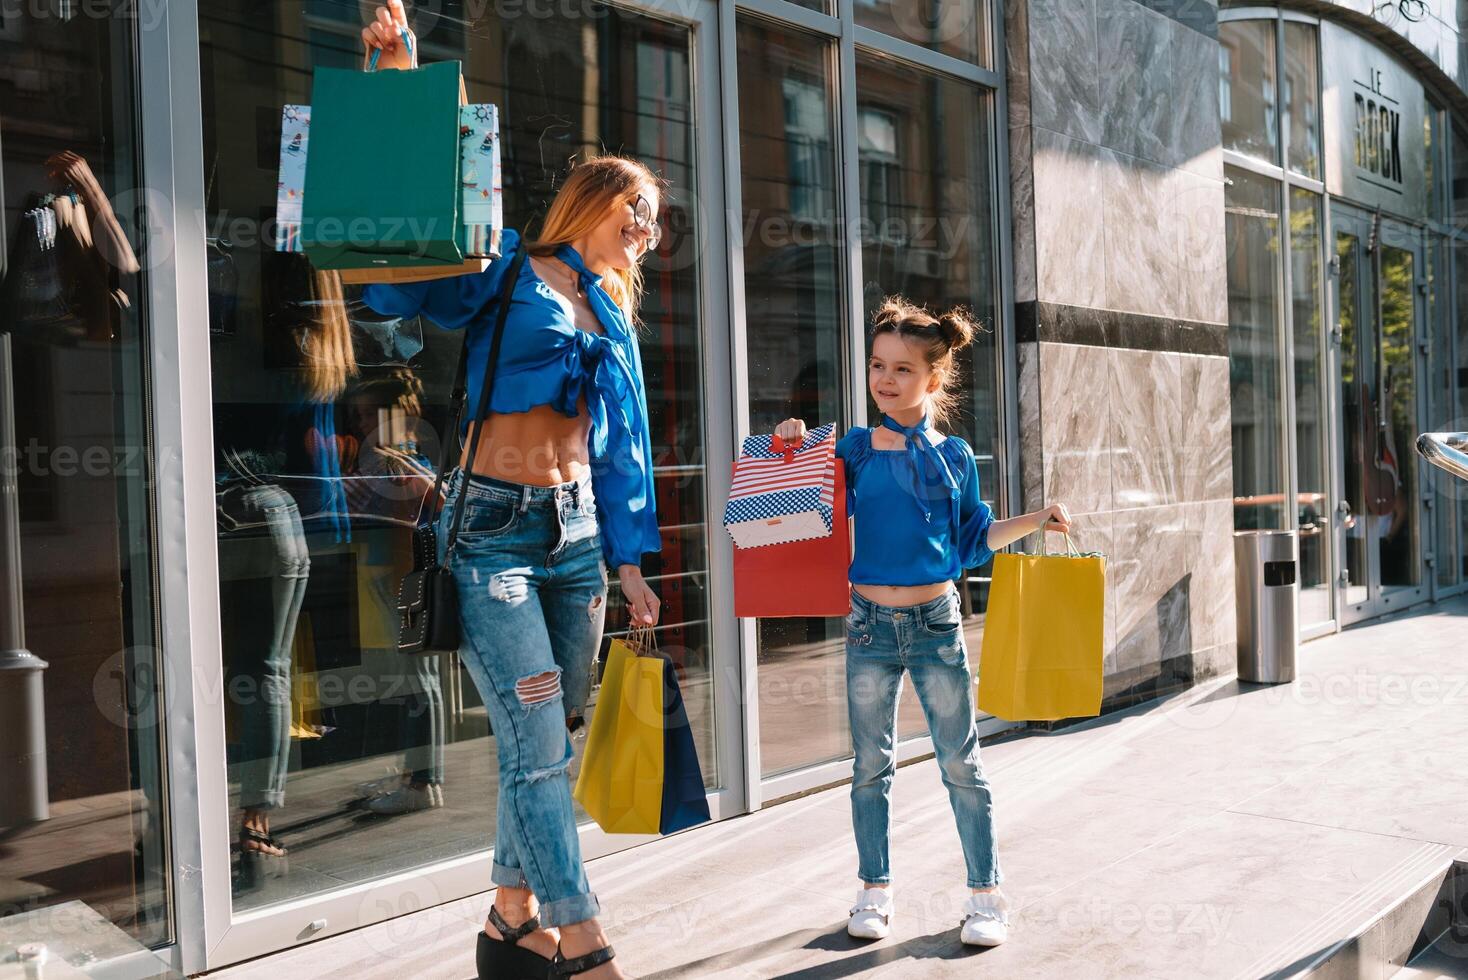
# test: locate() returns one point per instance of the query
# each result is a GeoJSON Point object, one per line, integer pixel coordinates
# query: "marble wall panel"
{"type": "Point", "coordinates": [1022, 205]}
{"type": "Point", "coordinates": [1137, 100]}
{"type": "Point", "coordinates": [1152, 585]}
{"type": "Point", "coordinates": [1219, 661]}
{"type": "Point", "coordinates": [1195, 217]}
{"type": "Point", "coordinates": [1197, 134]}
{"type": "Point", "coordinates": [1199, 16]}
{"type": "Point", "coordinates": [1071, 258]}
{"type": "Point", "coordinates": [1146, 422]}
{"type": "Point", "coordinates": [1031, 436]}
{"type": "Point", "coordinates": [1141, 266]}
{"type": "Point", "coordinates": [1075, 414]}
{"type": "Point", "coordinates": [1064, 74]}
{"type": "Point", "coordinates": [1017, 60]}
{"type": "Point", "coordinates": [1205, 446]}
{"type": "Point", "coordinates": [1210, 534]}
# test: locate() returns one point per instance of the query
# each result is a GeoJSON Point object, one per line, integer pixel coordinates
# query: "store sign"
{"type": "Point", "coordinates": [1375, 149]}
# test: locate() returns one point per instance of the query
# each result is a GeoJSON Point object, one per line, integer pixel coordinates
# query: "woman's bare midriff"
{"type": "Point", "coordinates": [540, 447]}
{"type": "Point", "coordinates": [902, 595]}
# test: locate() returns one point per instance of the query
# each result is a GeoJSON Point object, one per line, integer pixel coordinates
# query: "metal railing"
{"type": "Point", "coordinates": [1445, 450]}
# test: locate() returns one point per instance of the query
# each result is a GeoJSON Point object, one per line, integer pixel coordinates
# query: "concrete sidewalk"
{"type": "Point", "coordinates": [1226, 832]}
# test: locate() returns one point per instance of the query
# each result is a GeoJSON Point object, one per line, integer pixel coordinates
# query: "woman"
{"type": "Point", "coordinates": [559, 489]}
{"type": "Point", "coordinates": [920, 521]}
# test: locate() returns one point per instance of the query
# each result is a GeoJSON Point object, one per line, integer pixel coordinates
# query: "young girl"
{"type": "Point", "coordinates": [914, 494]}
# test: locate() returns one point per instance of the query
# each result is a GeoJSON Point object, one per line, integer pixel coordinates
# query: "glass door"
{"type": "Point", "coordinates": [1378, 304]}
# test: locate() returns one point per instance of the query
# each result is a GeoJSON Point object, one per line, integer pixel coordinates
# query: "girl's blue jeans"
{"type": "Point", "coordinates": [532, 602]}
{"type": "Point", "coordinates": [926, 641]}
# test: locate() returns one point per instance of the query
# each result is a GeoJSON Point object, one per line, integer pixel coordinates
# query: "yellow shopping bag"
{"type": "Point", "coordinates": [621, 780]}
{"type": "Point", "coordinates": [1041, 657]}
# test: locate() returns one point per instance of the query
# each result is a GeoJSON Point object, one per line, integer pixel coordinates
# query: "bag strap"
{"type": "Point", "coordinates": [460, 392]}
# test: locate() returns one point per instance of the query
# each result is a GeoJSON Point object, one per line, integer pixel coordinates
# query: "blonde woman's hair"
{"type": "Point", "coordinates": [327, 359]}
{"type": "Point", "coordinates": [595, 187]}
{"type": "Point", "coordinates": [939, 337]}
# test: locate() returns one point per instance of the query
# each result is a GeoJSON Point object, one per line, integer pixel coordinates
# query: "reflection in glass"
{"type": "Point", "coordinates": [1248, 104]}
{"type": "Point", "coordinates": [1458, 510]}
{"type": "Point", "coordinates": [364, 762]}
{"type": "Point", "coordinates": [1312, 506]}
{"type": "Point", "coordinates": [1356, 308]}
{"type": "Point", "coordinates": [958, 28]}
{"type": "Point", "coordinates": [927, 234]}
{"type": "Point", "coordinates": [1252, 227]}
{"type": "Point", "coordinates": [1445, 488]}
{"type": "Point", "coordinates": [1459, 172]}
{"type": "Point", "coordinates": [1302, 98]}
{"type": "Point", "coordinates": [86, 854]}
{"type": "Point", "coordinates": [1434, 169]}
{"type": "Point", "coordinates": [1391, 499]}
{"type": "Point", "coordinates": [796, 338]}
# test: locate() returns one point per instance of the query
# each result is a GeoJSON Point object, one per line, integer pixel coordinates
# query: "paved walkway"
{"type": "Point", "coordinates": [1225, 832]}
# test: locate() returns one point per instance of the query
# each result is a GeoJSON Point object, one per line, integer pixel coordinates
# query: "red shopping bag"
{"type": "Point", "coordinates": [799, 578]}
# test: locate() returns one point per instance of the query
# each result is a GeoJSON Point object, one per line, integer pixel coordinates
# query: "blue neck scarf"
{"type": "Point", "coordinates": [931, 478]}
{"type": "Point", "coordinates": [601, 302]}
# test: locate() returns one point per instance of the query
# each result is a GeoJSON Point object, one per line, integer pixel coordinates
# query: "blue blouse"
{"type": "Point", "coordinates": [545, 359]}
{"type": "Point", "coordinates": [895, 543]}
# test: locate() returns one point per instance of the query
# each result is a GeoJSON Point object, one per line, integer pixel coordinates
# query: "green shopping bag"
{"type": "Point", "coordinates": [382, 170]}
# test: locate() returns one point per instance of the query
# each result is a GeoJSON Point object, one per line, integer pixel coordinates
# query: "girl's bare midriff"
{"type": "Point", "coordinates": [901, 595]}
{"type": "Point", "coordinates": [540, 447]}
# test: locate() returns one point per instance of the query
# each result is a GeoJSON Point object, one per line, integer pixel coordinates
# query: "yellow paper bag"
{"type": "Point", "coordinates": [621, 780]}
{"type": "Point", "coordinates": [1042, 650]}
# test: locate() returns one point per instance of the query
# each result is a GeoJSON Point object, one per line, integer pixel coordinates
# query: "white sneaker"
{"type": "Point", "coordinates": [405, 799]}
{"type": "Point", "coordinates": [985, 919]}
{"type": "Point", "coordinates": [871, 917]}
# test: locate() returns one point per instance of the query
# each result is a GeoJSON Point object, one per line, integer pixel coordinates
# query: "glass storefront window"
{"type": "Point", "coordinates": [1458, 175]}
{"type": "Point", "coordinates": [959, 28]}
{"type": "Point", "coordinates": [926, 234]}
{"type": "Point", "coordinates": [1302, 98]}
{"type": "Point", "coordinates": [1252, 229]}
{"type": "Point", "coordinates": [83, 822]}
{"type": "Point", "coordinates": [317, 401]}
{"type": "Point", "coordinates": [794, 261]}
{"type": "Point", "coordinates": [1459, 507]}
{"type": "Point", "coordinates": [1312, 428]}
{"type": "Point", "coordinates": [1432, 156]}
{"type": "Point", "coordinates": [1248, 103]}
{"type": "Point", "coordinates": [1442, 411]}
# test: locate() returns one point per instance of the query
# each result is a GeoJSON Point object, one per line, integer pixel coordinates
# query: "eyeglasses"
{"type": "Point", "coordinates": [642, 215]}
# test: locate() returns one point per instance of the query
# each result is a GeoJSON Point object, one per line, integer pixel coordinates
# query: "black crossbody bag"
{"type": "Point", "coordinates": [428, 601]}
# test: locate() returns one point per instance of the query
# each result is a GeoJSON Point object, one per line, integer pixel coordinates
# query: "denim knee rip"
{"type": "Point", "coordinates": [540, 688]}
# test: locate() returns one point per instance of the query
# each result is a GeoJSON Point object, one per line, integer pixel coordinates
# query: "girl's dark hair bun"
{"type": "Point", "coordinates": [957, 327]}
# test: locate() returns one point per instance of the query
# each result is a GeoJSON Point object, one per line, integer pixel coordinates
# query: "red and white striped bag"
{"type": "Point", "coordinates": [783, 493]}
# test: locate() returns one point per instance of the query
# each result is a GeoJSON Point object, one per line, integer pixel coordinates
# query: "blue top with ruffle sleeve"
{"type": "Point", "coordinates": [545, 359]}
{"type": "Point", "coordinates": [895, 543]}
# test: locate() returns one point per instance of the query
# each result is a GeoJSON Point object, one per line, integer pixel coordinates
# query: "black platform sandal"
{"type": "Point", "coordinates": [505, 958]}
{"type": "Point", "coordinates": [256, 865]}
{"type": "Point", "coordinates": [562, 967]}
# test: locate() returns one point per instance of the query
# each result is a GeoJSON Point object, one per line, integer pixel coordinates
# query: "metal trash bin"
{"type": "Point", "coordinates": [1266, 579]}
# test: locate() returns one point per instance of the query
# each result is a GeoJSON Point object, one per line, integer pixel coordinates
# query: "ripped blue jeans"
{"type": "Point", "coordinates": [532, 599]}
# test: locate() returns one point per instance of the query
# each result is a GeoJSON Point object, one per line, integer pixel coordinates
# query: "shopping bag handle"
{"type": "Point", "coordinates": [1070, 552]}
{"type": "Point", "coordinates": [407, 43]}
{"type": "Point", "coordinates": [778, 445]}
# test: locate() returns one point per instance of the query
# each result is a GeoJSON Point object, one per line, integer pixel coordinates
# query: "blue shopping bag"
{"type": "Point", "coordinates": [685, 804]}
